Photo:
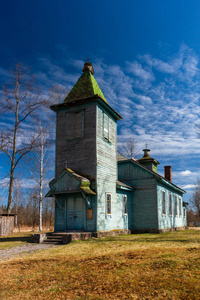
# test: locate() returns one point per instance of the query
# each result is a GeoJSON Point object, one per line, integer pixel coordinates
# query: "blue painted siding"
{"type": "Point", "coordinates": [106, 151]}
{"type": "Point", "coordinates": [145, 205]}
{"type": "Point", "coordinates": [167, 220]}
{"type": "Point", "coordinates": [130, 172]}
{"type": "Point", "coordinates": [91, 224]}
{"type": "Point", "coordinates": [126, 218]}
{"type": "Point", "coordinates": [60, 214]}
{"type": "Point", "coordinates": [144, 201]}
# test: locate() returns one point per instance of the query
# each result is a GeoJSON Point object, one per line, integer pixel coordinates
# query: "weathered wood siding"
{"type": "Point", "coordinates": [91, 223]}
{"type": "Point", "coordinates": [107, 174]}
{"type": "Point", "coordinates": [6, 224]}
{"type": "Point", "coordinates": [143, 211]}
{"type": "Point", "coordinates": [67, 182]}
{"type": "Point", "coordinates": [145, 205]}
{"type": "Point", "coordinates": [167, 220]}
{"type": "Point", "coordinates": [62, 214]}
{"type": "Point", "coordinates": [80, 153]}
{"type": "Point", "coordinates": [126, 218]}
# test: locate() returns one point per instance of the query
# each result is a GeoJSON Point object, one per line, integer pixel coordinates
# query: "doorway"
{"type": "Point", "coordinates": [75, 212]}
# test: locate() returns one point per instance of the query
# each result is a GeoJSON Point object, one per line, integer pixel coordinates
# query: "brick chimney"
{"type": "Point", "coordinates": [168, 174]}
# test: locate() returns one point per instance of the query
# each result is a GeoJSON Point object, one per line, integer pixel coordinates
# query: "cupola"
{"type": "Point", "coordinates": [148, 162]}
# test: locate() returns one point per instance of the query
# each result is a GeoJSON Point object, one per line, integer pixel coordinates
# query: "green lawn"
{"type": "Point", "coordinates": [143, 266]}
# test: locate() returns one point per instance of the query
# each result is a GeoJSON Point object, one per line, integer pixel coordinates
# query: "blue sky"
{"type": "Point", "coordinates": [146, 60]}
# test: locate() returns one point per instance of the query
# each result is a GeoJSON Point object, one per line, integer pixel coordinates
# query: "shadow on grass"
{"type": "Point", "coordinates": [186, 237]}
{"type": "Point", "coordinates": [27, 239]}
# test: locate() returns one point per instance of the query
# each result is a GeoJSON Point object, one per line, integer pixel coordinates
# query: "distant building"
{"type": "Point", "coordinates": [95, 192]}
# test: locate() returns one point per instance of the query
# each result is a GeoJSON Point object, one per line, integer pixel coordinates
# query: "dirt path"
{"type": "Point", "coordinates": [8, 254]}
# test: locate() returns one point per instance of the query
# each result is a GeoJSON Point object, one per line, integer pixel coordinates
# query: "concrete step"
{"type": "Point", "coordinates": [53, 241]}
{"type": "Point", "coordinates": [54, 236]}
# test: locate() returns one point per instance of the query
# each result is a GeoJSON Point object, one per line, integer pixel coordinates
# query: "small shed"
{"type": "Point", "coordinates": [7, 224]}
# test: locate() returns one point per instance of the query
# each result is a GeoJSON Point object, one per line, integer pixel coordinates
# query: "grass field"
{"type": "Point", "coordinates": [143, 266]}
{"type": "Point", "coordinates": [18, 239]}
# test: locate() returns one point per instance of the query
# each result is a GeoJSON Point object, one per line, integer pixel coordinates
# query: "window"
{"type": "Point", "coordinates": [176, 206]}
{"type": "Point", "coordinates": [180, 208]}
{"type": "Point", "coordinates": [75, 125]}
{"type": "Point", "coordinates": [184, 212]}
{"type": "Point", "coordinates": [108, 203]}
{"type": "Point", "coordinates": [163, 203]}
{"type": "Point", "coordinates": [106, 126]}
{"type": "Point", "coordinates": [170, 204]}
{"type": "Point", "coordinates": [124, 204]}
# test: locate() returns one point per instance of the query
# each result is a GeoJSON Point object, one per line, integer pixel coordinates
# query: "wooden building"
{"type": "Point", "coordinates": [93, 190]}
{"type": "Point", "coordinates": [7, 224]}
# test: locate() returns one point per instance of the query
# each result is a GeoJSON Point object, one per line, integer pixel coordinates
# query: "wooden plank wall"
{"type": "Point", "coordinates": [167, 220]}
{"type": "Point", "coordinates": [67, 183]}
{"type": "Point", "coordinates": [6, 225]}
{"type": "Point", "coordinates": [79, 152]}
{"type": "Point", "coordinates": [107, 175]}
{"type": "Point", "coordinates": [144, 199]}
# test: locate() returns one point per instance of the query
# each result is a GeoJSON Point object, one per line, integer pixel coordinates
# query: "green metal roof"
{"type": "Point", "coordinates": [86, 86]}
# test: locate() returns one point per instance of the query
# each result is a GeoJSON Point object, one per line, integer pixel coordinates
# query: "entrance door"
{"type": "Point", "coordinates": [75, 212]}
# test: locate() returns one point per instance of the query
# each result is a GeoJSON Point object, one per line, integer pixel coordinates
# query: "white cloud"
{"type": "Point", "coordinates": [136, 69]}
{"type": "Point", "coordinates": [188, 186]}
{"type": "Point", "coordinates": [186, 173]}
{"type": "Point", "coordinates": [157, 97]}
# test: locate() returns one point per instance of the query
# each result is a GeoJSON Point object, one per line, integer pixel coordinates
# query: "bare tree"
{"type": "Point", "coordinates": [39, 163]}
{"type": "Point", "coordinates": [57, 94]}
{"type": "Point", "coordinates": [195, 200]}
{"type": "Point", "coordinates": [128, 148]}
{"type": "Point", "coordinates": [20, 99]}
{"type": "Point", "coordinates": [17, 196]}
{"type": "Point", "coordinates": [32, 208]}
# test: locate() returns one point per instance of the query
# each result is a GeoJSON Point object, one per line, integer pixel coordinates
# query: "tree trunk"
{"type": "Point", "coordinates": [10, 195]}
{"type": "Point", "coordinates": [41, 183]}
{"type": "Point", "coordinates": [40, 211]}
{"type": "Point", "coordinates": [11, 185]}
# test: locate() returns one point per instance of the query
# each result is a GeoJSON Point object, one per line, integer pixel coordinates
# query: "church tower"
{"type": "Point", "coordinates": [86, 141]}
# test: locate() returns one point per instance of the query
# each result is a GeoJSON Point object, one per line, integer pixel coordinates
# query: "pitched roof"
{"type": "Point", "coordinates": [84, 184]}
{"type": "Point", "coordinates": [86, 86]}
{"type": "Point", "coordinates": [158, 176]}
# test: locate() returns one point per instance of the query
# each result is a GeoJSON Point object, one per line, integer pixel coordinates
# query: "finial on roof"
{"type": "Point", "coordinates": [88, 66]}
{"type": "Point", "coordinates": [146, 151]}
{"type": "Point", "coordinates": [66, 164]}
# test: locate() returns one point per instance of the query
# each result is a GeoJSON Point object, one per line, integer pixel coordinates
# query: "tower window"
{"type": "Point", "coordinates": [106, 126]}
{"type": "Point", "coordinates": [75, 125]}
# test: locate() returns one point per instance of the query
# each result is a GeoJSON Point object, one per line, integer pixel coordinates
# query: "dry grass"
{"type": "Point", "coordinates": [148, 266]}
{"type": "Point", "coordinates": [17, 239]}
{"type": "Point", "coordinates": [31, 229]}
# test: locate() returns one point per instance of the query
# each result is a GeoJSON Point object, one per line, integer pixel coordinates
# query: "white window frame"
{"type": "Point", "coordinates": [170, 205]}
{"type": "Point", "coordinates": [184, 212]}
{"type": "Point", "coordinates": [164, 204]}
{"type": "Point", "coordinates": [124, 205]}
{"type": "Point", "coordinates": [107, 201]}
